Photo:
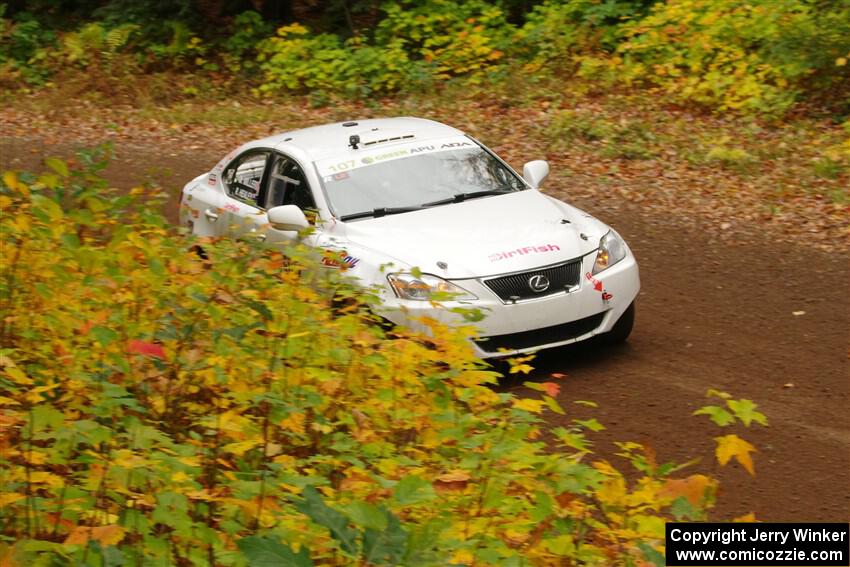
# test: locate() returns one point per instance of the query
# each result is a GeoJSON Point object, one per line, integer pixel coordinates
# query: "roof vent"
{"type": "Point", "coordinates": [384, 140]}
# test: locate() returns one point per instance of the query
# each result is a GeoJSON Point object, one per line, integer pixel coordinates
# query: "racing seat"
{"type": "Point", "coordinates": [289, 187]}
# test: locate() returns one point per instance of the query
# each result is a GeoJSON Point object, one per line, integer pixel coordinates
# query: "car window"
{"type": "Point", "coordinates": [412, 175]}
{"type": "Point", "coordinates": [287, 185]}
{"type": "Point", "coordinates": [244, 177]}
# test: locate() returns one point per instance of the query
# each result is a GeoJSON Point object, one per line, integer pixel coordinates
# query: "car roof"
{"type": "Point", "coordinates": [331, 140]}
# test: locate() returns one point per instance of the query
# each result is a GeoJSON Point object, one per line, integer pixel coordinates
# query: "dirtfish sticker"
{"type": "Point", "coordinates": [524, 251]}
{"type": "Point", "coordinates": [339, 259]}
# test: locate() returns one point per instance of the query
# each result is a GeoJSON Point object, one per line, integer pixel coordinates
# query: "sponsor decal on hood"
{"type": "Point", "coordinates": [477, 238]}
{"type": "Point", "coordinates": [523, 251]}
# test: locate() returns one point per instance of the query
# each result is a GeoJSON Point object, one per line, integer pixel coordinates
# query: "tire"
{"type": "Point", "coordinates": [622, 328]}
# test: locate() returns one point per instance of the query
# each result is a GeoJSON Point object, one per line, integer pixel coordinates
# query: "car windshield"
{"type": "Point", "coordinates": [412, 176]}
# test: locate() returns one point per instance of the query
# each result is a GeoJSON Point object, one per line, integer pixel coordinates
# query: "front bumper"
{"type": "Point", "coordinates": [538, 323]}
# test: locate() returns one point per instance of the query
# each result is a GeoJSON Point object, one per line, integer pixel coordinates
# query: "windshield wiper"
{"type": "Point", "coordinates": [461, 197]}
{"type": "Point", "coordinates": [379, 212]}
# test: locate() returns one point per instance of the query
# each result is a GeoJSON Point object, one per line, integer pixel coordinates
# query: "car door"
{"type": "Point", "coordinates": [244, 182]}
{"type": "Point", "coordinates": [287, 185]}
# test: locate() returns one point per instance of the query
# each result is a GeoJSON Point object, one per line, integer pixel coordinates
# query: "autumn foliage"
{"type": "Point", "coordinates": [743, 56]}
{"type": "Point", "coordinates": [157, 408]}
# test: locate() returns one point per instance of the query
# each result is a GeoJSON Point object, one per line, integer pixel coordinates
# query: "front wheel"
{"type": "Point", "coordinates": [622, 328]}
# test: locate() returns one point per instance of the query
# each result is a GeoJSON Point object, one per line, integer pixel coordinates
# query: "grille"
{"type": "Point", "coordinates": [538, 337]}
{"type": "Point", "coordinates": [516, 286]}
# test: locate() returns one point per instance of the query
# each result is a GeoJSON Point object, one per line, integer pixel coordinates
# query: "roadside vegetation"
{"type": "Point", "coordinates": [158, 408]}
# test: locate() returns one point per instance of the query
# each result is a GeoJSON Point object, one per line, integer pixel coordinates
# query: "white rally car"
{"type": "Point", "coordinates": [415, 208]}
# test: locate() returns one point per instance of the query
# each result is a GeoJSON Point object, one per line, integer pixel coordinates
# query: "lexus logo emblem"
{"type": "Point", "coordinates": [538, 283]}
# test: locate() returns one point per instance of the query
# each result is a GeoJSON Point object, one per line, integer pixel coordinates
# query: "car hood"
{"type": "Point", "coordinates": [481, 237]}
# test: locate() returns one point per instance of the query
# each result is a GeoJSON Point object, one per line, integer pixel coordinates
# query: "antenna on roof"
{"type": "Point", "coordinates": [353, 140]}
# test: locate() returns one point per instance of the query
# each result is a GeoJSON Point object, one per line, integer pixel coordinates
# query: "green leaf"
{"type": "Point", "coordinates": [717, 394]}
{"type": "Point", "coordinates": [45, 417]}
{"type": "Point", "coordinates": [555, 406]}
{"type": "Point", "coordinates": [682, 508]}
{"type": "Point", "coordinates": [314, 508]}
{"type": "Point", "coordinates": [745, 410]}
{"type": "Point", "coordinates": [651, 554]}
{"type": "Point", "coordinates": [717, 414]}
{"type": "Point", "coordinates": [386, 547]}
{"type": "Point", "coordinates": [48, 207]}
{"type": "Point", "coordinates": [57, 165]}
{"type": "Point", "coordinates": [103, 335]}
{"type": "Point", "coordinates": [261, 309]}
{"type": "Point", "coordinates": [70, 241]}
{"type": "Point", "coordinates": [266, 552]}
{"type": "Point", "coordinates": [591, 424]}
{"type": "Point", "coordinates": [413, 490]}
{"type": "Point", "coordinates": [366, 515]}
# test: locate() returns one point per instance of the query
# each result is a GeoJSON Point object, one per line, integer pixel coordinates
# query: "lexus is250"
{"type": "Point", "coordinates": [417, 210]}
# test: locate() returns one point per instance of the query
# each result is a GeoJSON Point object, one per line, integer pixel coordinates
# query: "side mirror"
{"type": "Point", "coordinates": [535, 172]}
{"type": "Point", "coordinates": [287, 217]}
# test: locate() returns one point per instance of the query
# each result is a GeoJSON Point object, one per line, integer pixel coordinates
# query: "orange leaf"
{"type": "Point", "coordinates": [454, 476]}
{"type": "Point", "coordinates": [105, 535]}
{"type": "Point", "coordinates": [453, 480]}
{"type": "Point", "coordinates": [145, 348]}
{"type": "Point", "coordinates": [692, 488]}
{"type": "Point", "coordinates": [551, 388]}
{"type": "Point", "coordinates": [96, 319]}
{"type": "Point", "coordinates": [730, 446]}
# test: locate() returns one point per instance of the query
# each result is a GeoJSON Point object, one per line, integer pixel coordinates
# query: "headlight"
{"type": "Point", "coordinates": [612, 249]}
{"type": "Point", "coordinates": [425, 287]}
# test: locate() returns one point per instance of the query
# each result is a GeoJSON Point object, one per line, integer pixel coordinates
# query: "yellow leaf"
{"type": "Point", "coordinates": [294, 422]}
{"type": "Point", "coordinates": [273, 449]}
{"type": "Point", "coordinates": [241, 447]}
{"type": "Point", "coordinates": [37, 457]}
{"type": "Point", "coordinates": [34, 395]}
{"type": "Point", "coordinates": [751, 517]}
{"type": "Point", "coordinates": [8, 498]}
{"type": "Point", "coordinates": [463, 557]}
{"type": "Point", "coordinates": [180, 476]}
{"type": "Point", "coordinates": [17, 376]}
{"type": "Point", "coordinates": [10, 178]}
{"type": "Point", "coordinates": [534, 406]}
{"type": "Point", "coordinates": [730, 446]}
{"type": "Point", "coordinates": [57, 165]}
{"type": "Point", "coordinates": [612, 492]}
{"type": "Point", "coordinates": [606, 468]}
{"type": "Point", "coordinates": [43, 477]}
{"type": "Point", "coordinates": [841, 62]}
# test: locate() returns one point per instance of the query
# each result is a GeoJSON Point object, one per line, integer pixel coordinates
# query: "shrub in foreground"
{"type": "Point", "coordinates": [157, 408]}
